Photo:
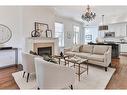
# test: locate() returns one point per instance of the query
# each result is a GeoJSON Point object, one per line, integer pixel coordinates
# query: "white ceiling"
{"type": "Point", "coordinates": [113, 14]}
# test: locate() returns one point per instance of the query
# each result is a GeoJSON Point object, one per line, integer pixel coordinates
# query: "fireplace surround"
{"type": "Point", "coordinates": [34, 43]}
{"type": "Point", "coordinates": [43, 46]}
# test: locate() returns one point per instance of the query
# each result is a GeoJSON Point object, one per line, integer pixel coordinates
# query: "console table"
{"type": "Point", "coordinates": [7, 49]}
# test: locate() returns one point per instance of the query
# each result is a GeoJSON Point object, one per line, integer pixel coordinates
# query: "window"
{"type": "Point", "coordinates": [76, 35]}
{"type": "Point", "coordinates": [59, 33]}
{"type": "Point", "coordinates": [91, 33]}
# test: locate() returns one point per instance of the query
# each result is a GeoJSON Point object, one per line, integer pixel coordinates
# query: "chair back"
{"type": "Point", "coordinates": [28, 62]}
{"type": "Point", "coordinates": [53, 76]}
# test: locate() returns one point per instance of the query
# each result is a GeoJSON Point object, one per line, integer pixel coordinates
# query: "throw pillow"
{"type": "Point", "coordinates": [75, 48]}
{"type": "Point", "coordinates": [100, 49]}
{"type": "Point", "coordinates": [86, 48]}
{"type": "Point", "coordinates": [46, 58]}
{"type": "Point", "coordinates": [49, 59]}
{"type": "Point", "coordinates": [32, 52]}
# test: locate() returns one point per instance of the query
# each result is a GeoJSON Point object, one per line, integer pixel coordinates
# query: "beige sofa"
{"type": "Point", "coordinates": [96, 54]}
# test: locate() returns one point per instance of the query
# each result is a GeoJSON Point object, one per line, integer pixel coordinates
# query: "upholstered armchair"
{"type": "Point", "coordinates": [28, 64]}
{"type": "Point", "coordinates": [53, 76]}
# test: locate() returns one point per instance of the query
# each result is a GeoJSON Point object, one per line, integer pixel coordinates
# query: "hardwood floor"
{"type": "Point", "coordinates": [6, 79]}
{"type": "Point", "coordinates": [118, 80]}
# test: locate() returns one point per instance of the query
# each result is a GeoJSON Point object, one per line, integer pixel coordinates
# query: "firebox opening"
{"type": "Point", "coordinates": [45, 51]}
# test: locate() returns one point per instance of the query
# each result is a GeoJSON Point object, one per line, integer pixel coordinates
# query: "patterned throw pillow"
{"type": "Point", "coordinates": [32, 52]}
{"type": "Point", "coordinates": [48, 58]}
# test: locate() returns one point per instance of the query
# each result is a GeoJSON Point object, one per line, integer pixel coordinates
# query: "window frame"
{"type": "Point", "coordinates": [76, 37]}
{"type": "Point", "coordinates": [61, 38]}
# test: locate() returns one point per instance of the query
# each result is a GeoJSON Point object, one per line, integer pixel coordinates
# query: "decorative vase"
{"type": "Point", "coordinates": [61, 54]}
{"type": "Point", "coordinates": [35, 34]}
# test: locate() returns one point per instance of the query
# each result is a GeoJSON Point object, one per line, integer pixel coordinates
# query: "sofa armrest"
{"type": "Point", "coordinates": [107, 58]}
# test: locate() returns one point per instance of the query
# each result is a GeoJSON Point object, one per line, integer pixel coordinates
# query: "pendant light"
{"type": "Point", "coordinates": [103, 27]}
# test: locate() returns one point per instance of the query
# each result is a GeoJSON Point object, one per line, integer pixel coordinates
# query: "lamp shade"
{"type": "Point", "coordinates": [103, 27]}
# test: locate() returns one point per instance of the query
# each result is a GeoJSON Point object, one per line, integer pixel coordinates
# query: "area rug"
{"type": "Point", "coordinates": [21, 82]}
{"type": "Point", "coordinates": [97, 78]}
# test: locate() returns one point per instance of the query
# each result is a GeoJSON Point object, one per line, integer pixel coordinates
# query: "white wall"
{"type": "Point", "coordinates": [36, 14]}
{"type": "Point", "coordinates": [20, 19]}
{"type": "Point", "coordinates": [68, 27]}
{"type": "Point", "coordinates": [9, 16]}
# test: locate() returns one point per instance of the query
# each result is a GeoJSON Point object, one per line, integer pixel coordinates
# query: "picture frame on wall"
{"type": "Point", "coordinates": [49, 33]}
{"type": "Point", "coordinates": [68, 35]}
{"type": "Point", "coordinates": [41, 28]}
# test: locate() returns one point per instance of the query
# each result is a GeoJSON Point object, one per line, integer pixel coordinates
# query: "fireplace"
{"type": "Point", "coordinates": [36, 43]}
{"type": "Point", "coordinates": [42, 51]}
{"type": "Point", "coordinates": [44, 48]}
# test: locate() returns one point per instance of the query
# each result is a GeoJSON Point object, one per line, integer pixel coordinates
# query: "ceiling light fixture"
{"type": "Point", "coordinates": [103, 27]}
{"type": "Point", "coordinates": [88, 15]}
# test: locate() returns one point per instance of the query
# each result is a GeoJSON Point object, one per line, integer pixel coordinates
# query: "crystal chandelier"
{"type": "Point", "coordinates": [88, 15]}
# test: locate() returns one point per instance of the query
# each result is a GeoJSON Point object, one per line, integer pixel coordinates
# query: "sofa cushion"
{"type": "Point", "coordinates": [98, 49]}
{"type": "Point", "coordinates": [70, 53]}
{"type": "Point", "coordinates": [83, 55]}
{"type": "Point", "coordinates": [86, 48]}
{"type": "Point", "coordinates": [96, 57]}
{"type": "Point", "coordinates": [75, 48]}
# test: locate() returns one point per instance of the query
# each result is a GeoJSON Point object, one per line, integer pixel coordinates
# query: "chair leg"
{"type": "Point", "coordinates": [38, 88]}
{"type": "Point", "coordinates": [110, 65]}
{"type": "Point", "coordinates": [28, 77]}
{"type": "Point", "coordinates": [23, 74]}
{"type": "Point", "coordinates": [71, 87]}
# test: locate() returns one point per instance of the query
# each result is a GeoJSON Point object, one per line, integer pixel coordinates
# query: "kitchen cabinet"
{"type": "Point", "coordinates": [120, 29]}
{"type": "Point", "coordinates": [123, 47]}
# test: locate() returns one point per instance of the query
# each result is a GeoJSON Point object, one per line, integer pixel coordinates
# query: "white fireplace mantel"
{"type": "Point", "coordinates": [32, 41]}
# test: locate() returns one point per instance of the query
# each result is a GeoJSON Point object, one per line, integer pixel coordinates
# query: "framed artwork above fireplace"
{"type": "Point", "coordinates": [41, 28]}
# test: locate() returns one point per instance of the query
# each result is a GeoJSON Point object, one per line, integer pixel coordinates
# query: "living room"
{"type": "Point", "coordinates": [70, 37]}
